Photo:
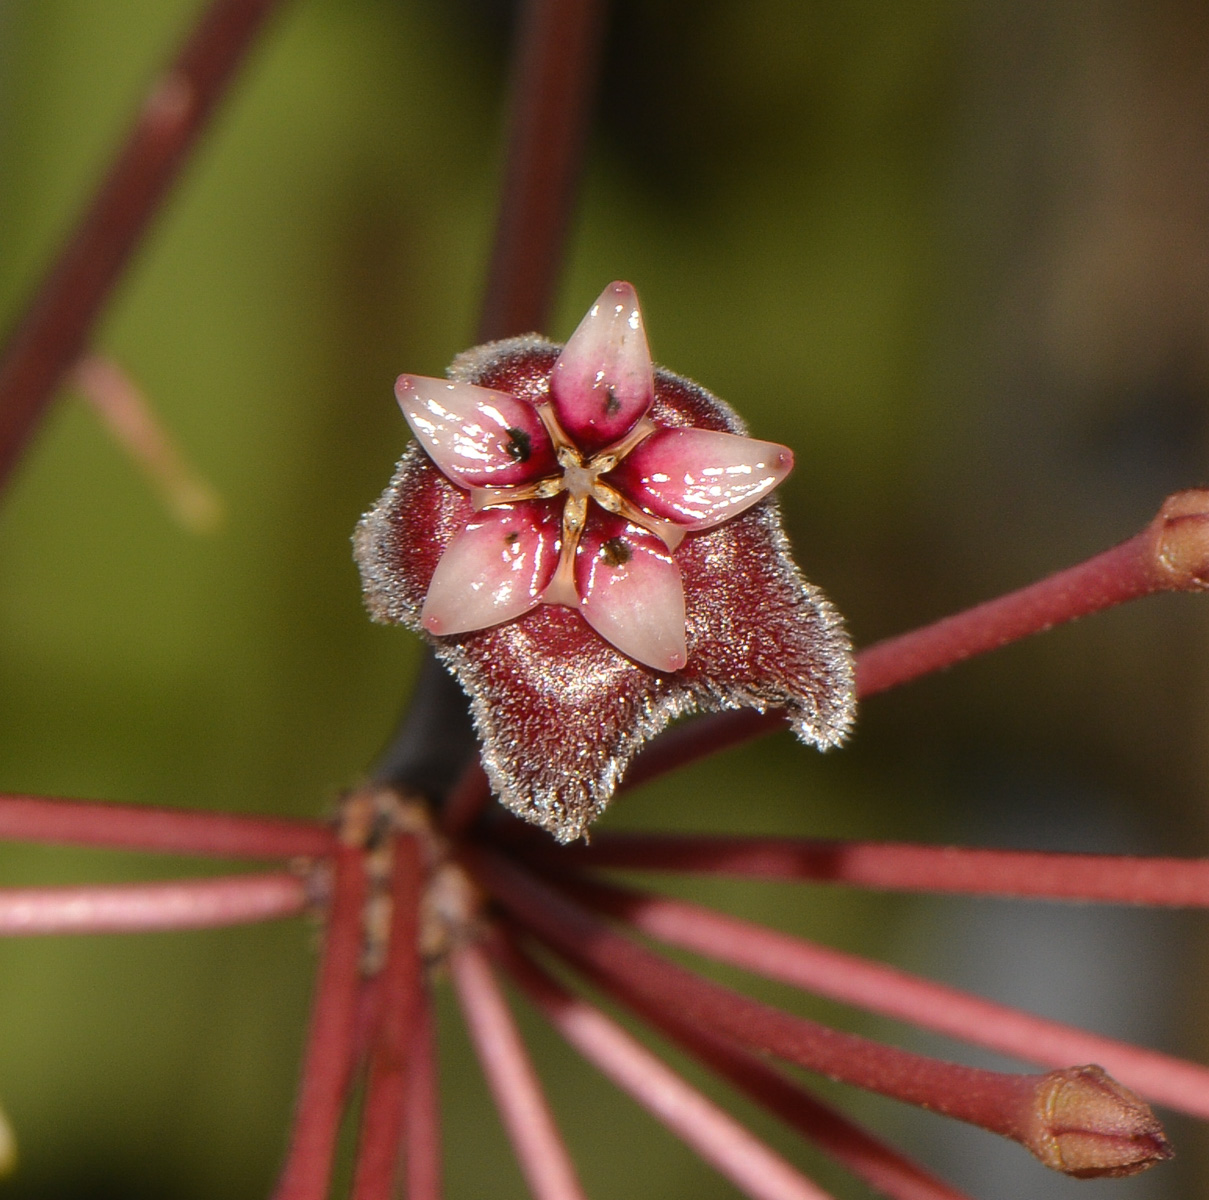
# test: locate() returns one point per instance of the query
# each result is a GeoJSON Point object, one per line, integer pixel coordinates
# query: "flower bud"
{"type": "Point", "coordinates": [1089, 1126]}
{"type": "Point", "coordinates": [1181, 532]}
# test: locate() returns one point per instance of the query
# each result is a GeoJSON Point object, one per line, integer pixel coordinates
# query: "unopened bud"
{"type": "Point", "coordinates": [1181, 532]}
{"type": "Point", "coordinates": [1089, 1126]}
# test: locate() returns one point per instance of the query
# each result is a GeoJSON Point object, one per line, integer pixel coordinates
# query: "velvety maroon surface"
{"type": "Point", "coordinates": [560, 712]}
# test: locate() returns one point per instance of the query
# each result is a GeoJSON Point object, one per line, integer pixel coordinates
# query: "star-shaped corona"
{"type": "Point", "coordinates": [629, 491]}
{"type": "Point", "coordinates": [587, 540]}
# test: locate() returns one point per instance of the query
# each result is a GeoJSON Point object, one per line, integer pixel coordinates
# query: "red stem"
{"type": "Point", "coordinates": [327, 1064]}
{"type": "Point", "coordinates": [1126, 572]}
{"type": "Point", "coordinates": [1170, 554]}
{"type": "Point", "coordinates": [731, 1149]}
{"type": "Point", "coordinates": [992, 1100]}
{"type": "Point", "coordinates": [143, 907]}
{"type": "Point", "coordinates": [386, 1092]}
{"type": "Point", "coordinates": [700, 738]}
{"type": "Point", "coordinates": [422, 1134]}
{"type": "Point", "coordinates": [897, 866]}
{"type": "Point", "coordinates": [172, 831]}
{"type": "Point", "coordinates": [554, 77]}
{"type": "Point", "coordinates": [881, 1166]}
{"type": "Point", "coordinates": [540, 1150]}
{"type": "Point", "coordinates": [893, 993]}
{"type": "Point", "coordinates": [58, 322]}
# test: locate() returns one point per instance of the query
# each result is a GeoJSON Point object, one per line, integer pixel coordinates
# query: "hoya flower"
{"type": "Point", "coordinates": [589, 543]}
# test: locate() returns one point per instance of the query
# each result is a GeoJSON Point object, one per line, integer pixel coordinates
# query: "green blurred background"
{"type": "Point", "coordinates": [955, 253]}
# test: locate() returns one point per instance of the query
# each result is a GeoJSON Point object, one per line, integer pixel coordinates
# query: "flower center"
{"type": "Point", "coordinates": [581, 482]}
{"type": "Point", "coordinates": [578, 480]}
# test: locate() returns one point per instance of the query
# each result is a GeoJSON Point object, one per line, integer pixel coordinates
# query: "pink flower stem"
{"type": "Point", "coordinates": [422, 1133]}
{"type": "Point", "coordinates": [327, 1064]}
{"type": "Point", "coordinates": [58, 322]}
{"type": "Point", "coordinates": [731, 1149]}
{"type": "Point", "coordinates": [993, 1100]}
{"type": "Point", "coordinates": [144, 907]}
{"type": "Point", "coordinates": [1170, 554]}
{"type": "Point", "coordinates": [541, 1152]}
{"type": "Point", "coordinates": [881, 1166]}
{"type": "Point", "coordinates": [172, 831]}
{"type": "Point", "coordinates": [386, 1091]}
{"type": "Point", "coordinates": [554, 74]}
{"type": "Point", "coordinates": [699, 738]}
{"type": "Point", "coordinates": [131, 421]}
{"type": "Point", "coordinates": [898, 994]}
{"type": "Point", "coordinates": [895, 866]}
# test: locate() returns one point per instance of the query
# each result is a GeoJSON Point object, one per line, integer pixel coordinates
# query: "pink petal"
{"type": "Point", "coordinates": [494, 570]}
{"type": "Point", "coordinates": [477, 436]}
{"type": "Point", "coordinates": [560, 712]}
{"type": "Point", "coordinates": [630, 593]}
{"type": "Point", "coordinates": [698, 478]}
{"type": "Point", "coordinates": [602, 382]}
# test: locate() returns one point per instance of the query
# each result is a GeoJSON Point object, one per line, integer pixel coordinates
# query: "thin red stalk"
{"type": "Point", "coordinates": [422, 1132]}
{"type": "Point", "coordinates": [125, 412]}
{"type": "Point", "coordinates": [1170, 554]}
{"type": "Point", "coordinates": [540, 1150]}
{"type": "Point", "coordinates": [881, 1166]}
{"type": "Point", "coordinates": [990, 1099]}
{"type": "Point", "coordinates": [369, 1016]}
{"type": "Point", "coordinates": [55, 328]}
{"type": "Point", "coordinates": [554, 76]}
{"type": "Point", "coordinates": [327, 1063]}
{"type": "Point", "coordinates": [173, 831]}
{"type": "Point", "coordinates": [144, 907]}
{"type": "Point", "coordinates": [386, 1092]}
{"type": "Point", "coordinates": [898, 866]}
{"type": "Point", "coordinates": [698, 739]}
{"type": "Point", "coordinates": [729, 1147]}
{"type": "Point", "coordinates": [893, 993]}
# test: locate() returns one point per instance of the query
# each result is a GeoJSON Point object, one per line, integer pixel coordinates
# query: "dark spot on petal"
{"type": "Point", "coordinates": [512, 538]}
{"type": "Point", "coordinates": [616, 552]}
{"type": "Point", "coordinates": [612, 406]}
{"type": "Point", "coordinates": [520, 445]}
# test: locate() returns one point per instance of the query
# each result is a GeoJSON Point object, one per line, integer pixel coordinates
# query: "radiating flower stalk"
{"type": "Point", "coordinates": [414, 892]}
{"type": "Point", "coordinates": [417, 884]}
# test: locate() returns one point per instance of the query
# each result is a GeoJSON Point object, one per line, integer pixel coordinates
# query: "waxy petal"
{"type": "Point", "coordinates": [559, 710]}
{"type": "Point", "coordinates": [477, 436]}
{"type": "Point", "coordinates": [698, 478]}
{"type": "Point", "coordinates": [494, 570]}
{"type": "Point", "coordinates": [630, 593]}
{"type": "Point", "coordinates": [602, 382]}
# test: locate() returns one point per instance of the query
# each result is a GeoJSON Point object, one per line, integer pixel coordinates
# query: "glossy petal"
{"type": "Point", "coordinates": [494, 570]}
{"type": "Point", "coordinates": [630, 593]}
{"type": "Point", "coordinates": [602, 382]}
{"type": "Point", "coordinates": [477, 436]}
{"type": "Point", "coordinates": [559, 711]}
{"type": "Point", "coordinates": [699, 479]}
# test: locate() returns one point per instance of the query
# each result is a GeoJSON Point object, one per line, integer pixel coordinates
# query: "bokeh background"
{"type": "Point", "coordinates": [955, 253]}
